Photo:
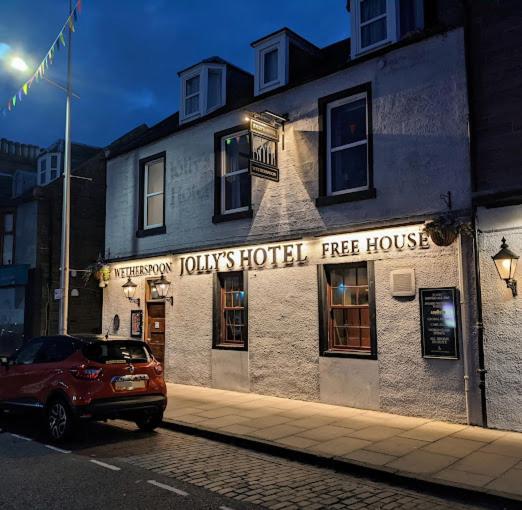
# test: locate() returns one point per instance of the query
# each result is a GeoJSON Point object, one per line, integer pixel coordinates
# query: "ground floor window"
{"type": "Point", "coordinates": [347, 314]}
{"type": "Point", "coordinates": [230, 310]}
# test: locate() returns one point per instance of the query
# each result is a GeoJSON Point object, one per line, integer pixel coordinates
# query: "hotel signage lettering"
{"type": "Point", "coordinates": [439, 323]}
{"type": "Point", "coordinates": [284, 255]}
{"type": "Point", "coordinates": [143, 270]}
{"type": "Point", "coordinates": [281, 254]}
{"type": "Point", "coordinates": [375, 244]}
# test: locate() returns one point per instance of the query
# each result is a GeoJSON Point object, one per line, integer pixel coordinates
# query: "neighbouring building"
{"type": "Point", "coordinates": [17, 175]}
{"type": "Point", "coordinates": [31, 220]}
{"type": "Point", "coordinates": [494, 36]}
{"type": "Point", "coordinates": [268, 237]}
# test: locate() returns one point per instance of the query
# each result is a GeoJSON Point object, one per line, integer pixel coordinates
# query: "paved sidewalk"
{"type": "Point", "coordinates": [451, 454]}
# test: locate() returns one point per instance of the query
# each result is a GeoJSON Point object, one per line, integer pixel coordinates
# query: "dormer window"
{"type": "Point", "coordinates": [271, 63]}
{"type": "Point", "coordinates": [379, 22]}
{"type": "Point", "coordinates": [48, 168]}
{"type": "Point", "coordinates": [202, 90]}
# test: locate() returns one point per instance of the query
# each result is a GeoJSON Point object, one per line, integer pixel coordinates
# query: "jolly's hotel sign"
{"type": "Point", "coordinates": [299, 253]}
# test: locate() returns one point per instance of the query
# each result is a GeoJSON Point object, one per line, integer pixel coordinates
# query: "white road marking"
{"type": "Point", "coordinates": [105, 465]}
{"type": "Point", "coordinates": [56, 449]}
{"type": "Point", "coordinates": [168, 488]}
{"type": "Point", "coordinates": [225, 508]}
{"type": "Point", "coordinates": [22, 437]}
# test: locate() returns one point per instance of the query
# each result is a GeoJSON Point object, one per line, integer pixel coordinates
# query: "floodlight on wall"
{"type": "Point", "coordinates": [162, 287]}
{"type": "Point", "coordinates": [129, 289]}
{"type": "Point", "coordinates": [506, 264]}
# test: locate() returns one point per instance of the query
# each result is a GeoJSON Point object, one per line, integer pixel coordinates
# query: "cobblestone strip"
{"type": "Point", "coordinates": [270, 482]}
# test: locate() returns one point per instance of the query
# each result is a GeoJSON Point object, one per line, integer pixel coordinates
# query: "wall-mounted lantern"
{"type": "Point", "coordinates": [162, 287]}
{"type": "Point", "coordinates": [129, 289]}
{"type": "Point", "coordinates": [506, 264]}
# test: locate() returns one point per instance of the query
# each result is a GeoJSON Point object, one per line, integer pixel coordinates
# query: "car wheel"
{"type": "Point", "coordinates": [149, 422]}
{"type": "Point", "coordinates": [59, 420]}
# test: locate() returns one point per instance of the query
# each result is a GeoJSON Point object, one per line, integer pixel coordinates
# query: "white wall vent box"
{"type": "Point", "coordinates": [402, 282]}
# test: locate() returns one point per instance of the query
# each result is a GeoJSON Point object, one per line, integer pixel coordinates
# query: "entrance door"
{"type": "Point", "coordinates": [155, 324]}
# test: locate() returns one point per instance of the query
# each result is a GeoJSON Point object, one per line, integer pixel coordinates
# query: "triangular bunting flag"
{"type": "Point", "coordinates": [47, 61]}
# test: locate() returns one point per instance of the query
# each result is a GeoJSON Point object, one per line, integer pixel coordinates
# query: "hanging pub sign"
{"type": "Point", "coordinates": [439, 322]}
{"type": "Point", "coordinates": [263, 158]}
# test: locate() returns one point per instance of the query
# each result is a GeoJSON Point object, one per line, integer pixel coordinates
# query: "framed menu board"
{"type": "Point", "coordinates": [136, 323]}
{"type": "Point", "coordinates": [439, 322]}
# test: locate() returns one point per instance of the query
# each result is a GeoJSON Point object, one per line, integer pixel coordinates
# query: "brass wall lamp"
{"type": "Point", "coordinates": [163, 286]}
{"type": "Point", "coordinates": [506, 264]}
{"type": "Point", "coordinates": [129, 289]}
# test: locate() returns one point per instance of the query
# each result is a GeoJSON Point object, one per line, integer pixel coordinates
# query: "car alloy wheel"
{"type": "Point", "coordinates": [58, 420]}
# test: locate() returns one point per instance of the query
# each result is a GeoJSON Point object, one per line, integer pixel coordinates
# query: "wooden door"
{"type": "Point", "coordinates": [155, 329]}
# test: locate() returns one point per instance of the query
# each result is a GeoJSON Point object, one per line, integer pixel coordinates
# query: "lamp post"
{"type": "Point", "coordinates": [66, 205]}
{"type": "Point", "coordinates": [506, 264]}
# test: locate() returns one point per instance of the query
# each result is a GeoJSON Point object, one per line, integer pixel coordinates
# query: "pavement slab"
{"type": "Point", "coordinates": [445, 453]}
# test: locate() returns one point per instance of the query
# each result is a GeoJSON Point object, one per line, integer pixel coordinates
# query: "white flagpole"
{"type": "Point", "coordinates": [64, 266]}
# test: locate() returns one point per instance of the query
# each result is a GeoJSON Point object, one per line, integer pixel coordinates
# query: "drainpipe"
{"type": "Point", "coordinates": [468, 8]}
{"type": "Point", "coordinates": [480, 324]}
{"type": "Point", "coordinates": [466, 354]}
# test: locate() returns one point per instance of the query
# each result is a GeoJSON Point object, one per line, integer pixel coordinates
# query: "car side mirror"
{"type": "Point", "coordinates": [4, 361]}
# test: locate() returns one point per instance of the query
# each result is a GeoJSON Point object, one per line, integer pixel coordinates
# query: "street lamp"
{"type": "Point", "coordinates": [162, 286]}
{"type": "Point", "coordinates": [506, 264]}
{"type": "Point", "coordinates": [129, 289]}
{"type": "Point", "coordinates": [19, 64]}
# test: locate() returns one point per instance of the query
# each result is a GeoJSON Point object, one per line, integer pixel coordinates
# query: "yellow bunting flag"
{"type": "Point", "coordinates": [25, 87]}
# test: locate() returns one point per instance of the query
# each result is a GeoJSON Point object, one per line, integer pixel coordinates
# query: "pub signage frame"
{"type": "Point", "coordinates": [264, 150]}
{"type": "Point", "coordinates": [436, 304]}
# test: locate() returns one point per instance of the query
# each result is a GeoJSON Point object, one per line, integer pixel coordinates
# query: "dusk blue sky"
{"type": "Point", "coordinates": [126, 54]}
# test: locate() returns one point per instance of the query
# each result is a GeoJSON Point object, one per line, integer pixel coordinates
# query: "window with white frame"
{"type": "Point", "coordinates": [42, 171]}
{"type": "Point", "coordinates": [7, 237]}
{"type": "Point", "coordinates": [271, 63]}
{"type": "Point", "coordinates": [379, 22]}
{"type": "Point", "coordinates": [48, 168]}
{"type": "Point", "coordinates": [373, 24]}
{"type": "Point", "coordinates": [235, 176]}
{"type": "Point", "coordinates": [153, 193]}
{"type": "Point", "coordinates": [347, 145]}
{"type": "Point", "coordinates": [202, 90]}
{"type": "Point", "coordinates": [54, 166]}
{"type": "Point", "coordinates": [192, 94]}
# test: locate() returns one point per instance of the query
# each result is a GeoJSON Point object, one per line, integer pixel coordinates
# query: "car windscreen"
{"type": "Point", "coordinates": [117, 352]}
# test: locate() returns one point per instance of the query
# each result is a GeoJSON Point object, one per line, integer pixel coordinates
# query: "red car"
{"type": "Point", "coordinates": [72, 379]}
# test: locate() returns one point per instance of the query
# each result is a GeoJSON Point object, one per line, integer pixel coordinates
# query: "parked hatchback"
{"type": "Point", "coordinates": [69, 379]}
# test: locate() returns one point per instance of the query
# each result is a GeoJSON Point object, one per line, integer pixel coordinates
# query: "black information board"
{"type": "Point", "coordinates": [439, 322]}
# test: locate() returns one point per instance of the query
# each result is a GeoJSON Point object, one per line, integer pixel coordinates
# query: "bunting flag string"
{"type": "Point", "coordinates": [38, 75]}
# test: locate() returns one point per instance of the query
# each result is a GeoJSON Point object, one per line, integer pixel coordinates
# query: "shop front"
{"type": "Point", "coordinates": [367, 319]}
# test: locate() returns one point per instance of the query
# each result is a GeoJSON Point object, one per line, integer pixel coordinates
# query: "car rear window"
{"type": "Point", "coordinates": [117, 352]}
